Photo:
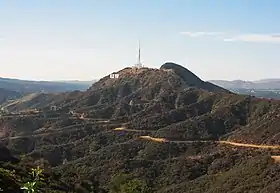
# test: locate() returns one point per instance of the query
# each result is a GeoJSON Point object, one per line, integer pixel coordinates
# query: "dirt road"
{"type": "Point", "coordinates": [164, 140]}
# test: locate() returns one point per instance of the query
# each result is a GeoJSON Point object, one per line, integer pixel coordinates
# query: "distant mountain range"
{"type": "Point", "coordinates": [16, 88]}
{"type": "Point", "coordinates": [241, 84]}
{"type": "Point", "coordinates": [79, 82]}
{"type": "Point", "coordinates": [28, 86]}
{"type": "Point", "coordinates": [8, 94]}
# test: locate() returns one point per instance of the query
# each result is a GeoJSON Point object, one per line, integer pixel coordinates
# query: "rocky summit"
{"type": "Point", "coordinates": [147, 130]}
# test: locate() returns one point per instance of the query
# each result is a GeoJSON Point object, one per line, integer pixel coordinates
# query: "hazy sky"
{"type": "Point", "coordinates": [79, 39]}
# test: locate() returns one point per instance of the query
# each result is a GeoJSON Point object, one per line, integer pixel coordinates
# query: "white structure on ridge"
{"type": "Point", "coordinates": [139, 64]}
{"type": "Point", "coordinates": [114, 75]}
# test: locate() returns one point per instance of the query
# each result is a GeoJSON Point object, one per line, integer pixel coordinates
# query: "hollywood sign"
{"type": "Point", "coordinates": [114, 75]}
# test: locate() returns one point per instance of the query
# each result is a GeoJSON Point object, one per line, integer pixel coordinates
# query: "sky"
{"type": "Point", "coordinates": [89, 39]}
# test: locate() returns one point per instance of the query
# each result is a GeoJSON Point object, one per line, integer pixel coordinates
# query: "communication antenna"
{"type": "Point", "coordinates": [139, 55]}
{"type": "Point", "coordinates": [139, 65]}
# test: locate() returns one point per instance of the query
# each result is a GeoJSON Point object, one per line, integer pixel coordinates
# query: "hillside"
{"type": "Point", "coordinates": [157, 130]}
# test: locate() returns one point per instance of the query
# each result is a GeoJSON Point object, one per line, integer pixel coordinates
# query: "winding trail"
{"type": "Point", "coordinates": [276, 158]}
{"type": "Point", "coordinates": [154, 139]}
{"type": "Point", "coordinates": [164, 140]}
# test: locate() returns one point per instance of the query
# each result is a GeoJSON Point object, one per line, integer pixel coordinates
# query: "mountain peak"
{"type": "Point", "coordinates": [184, 73]}
{"type": "Point", "coordinates": [145, 84]}
{"type": "Point", "coordinates": [190, 78]}
{"type": "Point", "coordinates": [174, 74]}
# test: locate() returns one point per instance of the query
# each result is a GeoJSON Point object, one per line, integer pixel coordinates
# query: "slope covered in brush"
{"type": "Point", "coordinates": [143, 85]}
{"type": "Point", "coordinates": [162, 103]}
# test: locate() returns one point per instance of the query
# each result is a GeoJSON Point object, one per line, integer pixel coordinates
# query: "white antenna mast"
{"type": "Point", "coordinates": [139, 65]}
{"type": "Point", "coordinates": [139, 55]}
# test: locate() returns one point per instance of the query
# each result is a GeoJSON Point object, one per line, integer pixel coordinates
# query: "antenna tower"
{"type": "Point", "coordinates": [139, 65]}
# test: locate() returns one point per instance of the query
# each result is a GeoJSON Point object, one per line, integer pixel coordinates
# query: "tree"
{"type": "Point", "coordinates": [117, 181]}
{"type": "Point", "coordinates": [134, 186]}
{"type": "Point", "coordinates": [124, 183]}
